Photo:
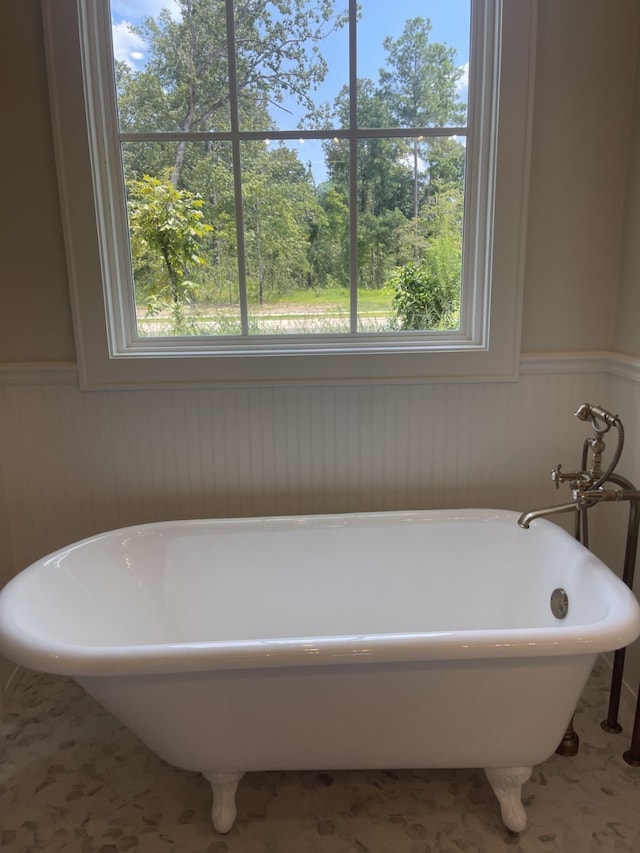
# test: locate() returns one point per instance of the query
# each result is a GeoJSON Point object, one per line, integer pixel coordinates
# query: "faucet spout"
{"type": "Point", "coordinates": [527, 517]}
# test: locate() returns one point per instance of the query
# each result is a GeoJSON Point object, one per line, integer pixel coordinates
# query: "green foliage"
{"type": "Point", "coordinates": [166, 228]}
{"type": "Point", "coordinates": [427, 292]}
{"type": "Point", "coordinates": [329, 241]}
{"type": "Point", "coordinates": [279, 206]}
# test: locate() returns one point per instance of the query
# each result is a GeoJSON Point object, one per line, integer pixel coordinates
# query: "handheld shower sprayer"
{"type": "Point", "coordinates": [601, 421]}
{"type": "Point", "coordinates": [596, 414]}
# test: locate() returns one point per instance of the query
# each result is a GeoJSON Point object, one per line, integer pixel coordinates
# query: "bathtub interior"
{"type": "Point", "coordinates": [329, 576]}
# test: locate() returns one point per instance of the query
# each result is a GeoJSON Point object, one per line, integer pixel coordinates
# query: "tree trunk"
{"type": "Point", "coordinates": [415, 199]}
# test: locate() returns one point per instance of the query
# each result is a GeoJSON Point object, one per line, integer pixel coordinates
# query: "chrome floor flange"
{"type": "Point", "coordinates": [223, 810]}
{"type": "Point", "coordinates": [507, 783]}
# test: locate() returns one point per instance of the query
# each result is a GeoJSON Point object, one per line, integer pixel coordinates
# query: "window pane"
{"type": "Point", "coordinates": [180, 199]}
{"type": "Point", "coordinates": [296, 241]}
{"type": "Point", "coordinates": [292, 270]}
{"type": "Point", "coordinates": [375, 310]}
{"type": "Point", "coordinates": [410, 209]}
{"type": "Point", "coordinates": [289, 64]}
{"type": "Point", "coordinates": [171, 70]}
{"type": "Point", "coordinates": [413, 64]}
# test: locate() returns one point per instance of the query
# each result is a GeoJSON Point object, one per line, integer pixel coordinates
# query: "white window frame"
{"type": "Point", "coordinates": [111, 356]}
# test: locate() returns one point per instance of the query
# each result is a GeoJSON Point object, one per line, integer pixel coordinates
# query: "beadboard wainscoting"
{"type": "Point", "coordinates": [76, 463]}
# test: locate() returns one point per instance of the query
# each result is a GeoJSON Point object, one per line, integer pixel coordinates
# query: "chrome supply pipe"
{"type": "Point", "coordinates": [611, 724]}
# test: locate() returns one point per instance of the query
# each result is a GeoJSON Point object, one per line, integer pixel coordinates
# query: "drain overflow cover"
{"type": "Point", "coordinates": [559, 603]}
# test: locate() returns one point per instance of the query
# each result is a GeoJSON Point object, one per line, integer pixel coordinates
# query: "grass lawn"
{"type": "Point", "coordinates": [375, 301]}
{"type": "Point", "coordinates": [300, 312]}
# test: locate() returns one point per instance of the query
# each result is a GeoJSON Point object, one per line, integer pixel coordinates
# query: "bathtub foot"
{"type": "Point", "coordinates": [223, 810]}
{"type": "Point", "coordinates": [570, 743]}
{"type": "Point", "coordinates": [507, 785]}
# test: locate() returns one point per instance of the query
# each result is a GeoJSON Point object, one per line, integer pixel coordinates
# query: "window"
{"type": "Point", "coordinates": [226, 223]}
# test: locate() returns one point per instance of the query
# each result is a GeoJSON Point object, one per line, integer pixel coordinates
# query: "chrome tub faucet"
{"type": "Point", "coordinates": [586, 484]}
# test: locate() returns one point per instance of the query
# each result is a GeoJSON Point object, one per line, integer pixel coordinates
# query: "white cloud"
{"type": "Point", "coordinates": [127, 46]}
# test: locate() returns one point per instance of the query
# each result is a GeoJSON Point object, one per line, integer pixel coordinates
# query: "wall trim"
{"type": "Point", "coordinates": [613, 363]}
{"type": "Point", "coordinates": [542, 363]}
{"type": "Point", "coordinates": [625, 366]}
{"type": "Point", "coordinates": [564, 362]}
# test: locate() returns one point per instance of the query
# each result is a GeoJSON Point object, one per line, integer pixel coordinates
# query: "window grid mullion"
{"type": "Point", "coordinates": [353, 168]}
{"type": "Point", "coordinates": [276, 135]}
{"type": "Point", "coordinates": [237, 171]}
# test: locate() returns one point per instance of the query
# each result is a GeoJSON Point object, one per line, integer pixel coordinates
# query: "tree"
{"type": "Point", "coordinates": [382, 179]}
{"type": "Point", "coordinates": [275, 52]}
{"type": "Point", "coordinates": [329, 240]}
{"type": "Point", "coordinates": [166, 227]}
{"type": "Point", "coordinates": [420, 88]}
{"type": "Point", "coordinates": [279, 205]}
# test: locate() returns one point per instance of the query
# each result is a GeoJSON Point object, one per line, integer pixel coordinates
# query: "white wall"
{"type": "Point", "coordinates": [77, 463]}
{"type": "Point", "coordinates": [627, 331]}
{"type": "Point", "coordinates": [587, 62]}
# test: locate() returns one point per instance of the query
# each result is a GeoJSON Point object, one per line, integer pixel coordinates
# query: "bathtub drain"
{"type": "Point", "coordinates": [559, 603]}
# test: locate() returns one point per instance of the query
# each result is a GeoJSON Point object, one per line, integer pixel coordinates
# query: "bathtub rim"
{"type": "Point", "coordinates": [619, 627]}
{"type": "Point", "coordinates": [171, 659]}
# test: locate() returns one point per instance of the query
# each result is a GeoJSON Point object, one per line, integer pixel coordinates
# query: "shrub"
{"type": "Point", "coordinates": [427, 292]}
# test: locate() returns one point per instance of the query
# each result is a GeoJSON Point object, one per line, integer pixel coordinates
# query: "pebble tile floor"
{"type": "Point", "coordinates": [74, 779]}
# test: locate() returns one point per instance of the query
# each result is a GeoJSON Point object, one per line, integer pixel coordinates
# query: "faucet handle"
{"type": "Point", "coordinates": [577, 479]}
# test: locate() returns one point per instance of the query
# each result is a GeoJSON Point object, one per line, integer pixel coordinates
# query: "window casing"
{"type": "Point", "coordinates": [110, 352]}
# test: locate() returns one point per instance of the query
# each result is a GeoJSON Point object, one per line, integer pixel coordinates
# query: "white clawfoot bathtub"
{"type": "Point", "coordinates": [388, 640]}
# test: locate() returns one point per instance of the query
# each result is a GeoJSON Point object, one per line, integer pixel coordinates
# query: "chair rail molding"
{"type": "Point", "coordinates": [613, 363]}
{"type": "Point", "coordinates": [541, 363]}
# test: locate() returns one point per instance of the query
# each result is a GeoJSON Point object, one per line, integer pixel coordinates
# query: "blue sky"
{"type": "Point", "coordinates": [449, 19]}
